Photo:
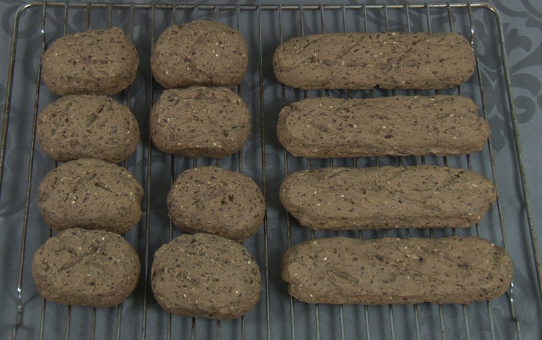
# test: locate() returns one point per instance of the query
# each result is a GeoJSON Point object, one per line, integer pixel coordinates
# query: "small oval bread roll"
{"type": "Point", "coordinates": [205, 276]}
{"type": "Point", "coordinates": [86, 267]}
{"type": "Point", "coordinates": [200, 122]}
{"type": "Point", "coordinates": [216, 201]}
{"type": "Point", "coordinates": [390, 60]}
{"type": "Point", "coordinates": [91, 194]}
{"type": "Point", "coordinates": [93, 62]}
{"type": "Point", "coordinates": [389, 270]}
{"type": "Point", "coordinates": [202, 52]}
{"type": "Point", "coordinates": [87, 126]}
{"type": "Point", "coordinates": [421, 196]}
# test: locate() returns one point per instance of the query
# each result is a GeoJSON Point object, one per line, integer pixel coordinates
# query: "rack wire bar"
{"type": "Point", "coordinates": [262, 20]}
{"type": "Point", "coordinates": [29, 182]}
{"type": "Point", "coordinates": [264, 173]}
{"type": "Point", "coordinates": [240, 152]}
{"type": "Point", "coordinates": [498, 203]}
{"type": "Point", "coordinates": [517, 144]}
{"type": "Point", "coordinates": [286, 173]}
{"type": "Point", "coordinates": [129, 105]}
{"type": "Point", "coordinates": [148, 192]}
{"type": "Point", "coordinates": [336, 233]}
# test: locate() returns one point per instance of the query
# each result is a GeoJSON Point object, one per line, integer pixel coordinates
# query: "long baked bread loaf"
{"type": "Point", "coordinates": [399, 271]}
{"type": "Point", "coordinates": [393, 126]}
{"type": "Point", "coordinates": [421, 196]}
{"type": "Point", "coordinates": [364, 60]}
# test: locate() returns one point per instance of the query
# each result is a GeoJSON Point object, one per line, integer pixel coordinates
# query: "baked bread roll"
{"type": "Point", "coordinates": [86, 126]}
{"type": "Point", "coordinates": [421, 196]}
{"type": "Point", "coordinates": [386, 126]}
{"type": "Point", "coordinates": [93, 62]}
{"type": "Point", "coordinates": [202, 52]}
{"type": "Point", "coordinates": [205, 276]}
{"type": "Point", "coordinates": [390, 60]}
{"type": "Point", "coordinates": [86, 267]}
{"type": "Point", "coordinates": [200, 122]}
{"type": "Point", "coordinates": [396, 271]}
{"type": "Point", "coordinates": [216, 201]}
{"type": "Point", "coordinates": [91, 194]}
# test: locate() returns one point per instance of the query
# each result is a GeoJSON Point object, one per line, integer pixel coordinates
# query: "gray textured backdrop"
{"type": "Point", "coordinates": [522, 26]}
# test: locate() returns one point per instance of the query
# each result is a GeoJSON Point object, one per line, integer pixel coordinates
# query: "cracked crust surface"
{"type": "Point", "coordinates": [86, 267]}
{"type": "Point", "coordinates": [421, 196]}
{"type": "Point", "coordinates": [202, 52]}
{"type": "Point", "coordinates": [200, 122]}
{"type": "Point", "coordinates": [87, 126]}
{"type": "Point", "coordinates": [205, 276]}
{"type": "Point", "coordinates": [91, 194]}
{"type": "Point", "coordinates": [392, 126]}
{"type": "Point", "coordinates": [364, 60]}
{"type": "Point", "coordinates": [216, 201]}
{"type": "Point", "coordinates": [93, 62]}
{"type": "Point", "coordinates": [397, 271]}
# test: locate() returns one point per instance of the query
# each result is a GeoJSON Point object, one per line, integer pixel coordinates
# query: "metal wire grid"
{"type": "Point", "coordinates": [303, 15]}
{"type": "Point", "coordinates": [427, 8]}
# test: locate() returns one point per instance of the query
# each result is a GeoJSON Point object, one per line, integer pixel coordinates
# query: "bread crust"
{"type": "Point", "coordinates": [205, 276]}
{"type": "Point", "coordinates": [91, 194]}
{"type": "Point", "coordinates": [396, 271]}
{"type": "Point", "coordinates": [86, 267]}
{"type": "Point", "coordinates": [391, 60]}
{"type": "Point", "coordinates": [94, 62]}
{"type": "Point", "coordinates": [386, 126]}
{"type": "Point", "coordinates": [200, 53]}
{"type": "Point", "coordinates": [87, 126]}
{"type": "Point", "coordinates": [421, 196]}
{"type": "Point", "coordinates": [200, 122]}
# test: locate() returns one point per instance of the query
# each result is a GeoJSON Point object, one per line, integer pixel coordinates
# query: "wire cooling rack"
{"type": "Point", "coordinates": [25, 315]}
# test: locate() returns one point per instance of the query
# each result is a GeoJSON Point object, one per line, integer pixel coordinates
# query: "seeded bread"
{"type": "Point", "coordinates": [364, 60]}
{"type": "Point", "coordinates": [86, 126]}
{"type": "Point", "coordinates": [216, 201]}
{"type": "Point", "coordinates": [387, 197]}
{"type": "Point", "coordinates": [91, 194]}
{"type": "Point", "coordinates": [205, 276]}
{"type": "Point", "coordinates": [86, 267]}
{"type": "Point", "coordinates": [202, 52]}
{"type": "Point", "coordinates": [93, 62]}
{"type": "Point", "coordinates": [397, 271]}
{"type": "Point", "coordinates": [200, 122]}
{"type": "Point", "coordinates": [393, 126]}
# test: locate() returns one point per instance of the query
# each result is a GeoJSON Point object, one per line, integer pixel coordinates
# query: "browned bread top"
{"type": "Point", "coordinates": [93, 62]}
{"type": "Point", "coordinates": [92, 194]}
{"type": "Point", "coordinates": [87, 126]}
{"type": "Point", "coordinates": [86, 267]}
{"type": "Point", "coordinates": [422, 196]}
{"type": "Point", "coordinates": [390, 270]}
{"type": "Point", "coordinates": [393, 126]}
{"type": "Point", "coordinates": [205, 276]}
{"type": "Point", "coordinates": [390, 60]}
{"type": "Point", "coordinates": [216, 201]}
{"type": "Point", "coordinates": [200, 122]}
{"type": "Point", "coordinates": [202, 52]}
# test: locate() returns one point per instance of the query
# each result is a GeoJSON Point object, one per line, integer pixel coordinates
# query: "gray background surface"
{"type": "Point", "coordinates": [522, 27]}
